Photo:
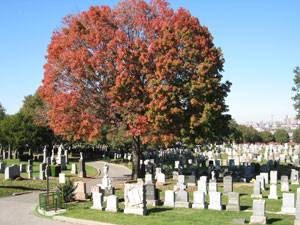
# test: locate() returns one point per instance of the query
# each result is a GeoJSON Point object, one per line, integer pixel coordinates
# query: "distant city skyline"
{"type": "Point", "coordinates": [259, 39]}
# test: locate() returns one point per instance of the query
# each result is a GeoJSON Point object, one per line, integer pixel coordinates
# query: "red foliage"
{"type": "Point", "coordinates": [141, 65]}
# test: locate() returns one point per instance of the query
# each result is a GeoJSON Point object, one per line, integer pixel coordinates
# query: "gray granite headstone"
{"type": "Point", "coordinates": [227, 183]}
{"type": "Point", "coordinates": [258, 216]}
{"type": "Point", "coordinates": [233, 201]}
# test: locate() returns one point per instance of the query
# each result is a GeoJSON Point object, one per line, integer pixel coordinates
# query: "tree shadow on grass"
{"type": "Point", "coordinates": [273, 220]}
{"type": "Point", "coordinates": [158, 210]}
{"type": "Point", "coordinates": [22, 188]}
{"type": "Point", "coordinates": [244, 207]}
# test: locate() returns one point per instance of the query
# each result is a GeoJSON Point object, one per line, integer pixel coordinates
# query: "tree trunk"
{"type": "Point", "coordinates": [136, 156]}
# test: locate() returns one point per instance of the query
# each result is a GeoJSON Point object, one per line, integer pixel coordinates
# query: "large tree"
{"type": "Point", "coordinates": [140, 67]}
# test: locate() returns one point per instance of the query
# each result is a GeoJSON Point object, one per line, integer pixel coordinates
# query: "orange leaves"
{"type": "Point", "coordinates": [141, 66]}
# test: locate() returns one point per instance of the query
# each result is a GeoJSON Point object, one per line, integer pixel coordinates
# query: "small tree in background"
{"type": "Point", "coordinates": [2, 112]}
{"type": "Point", "coordinates": [266, 136]}
{"type": "Point", "coordinates": [296, 89]}
{"type": "Point", "coordinates": [281, 136]}
{"type": "Point", "coordinates": [296, 135]}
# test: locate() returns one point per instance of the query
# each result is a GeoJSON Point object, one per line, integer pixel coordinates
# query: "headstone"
{"type": "Point", "coordinates": [112, 203]}
{"type": "Point", "coordinates": [175, 175]}
{"type": "Point", "coordinates": [212, 186]}
{"type": "Point", "coordinates": [273, 192]}
{"type": "Point", "coordinates": [256, 190]}
{"type": "Point", "coordinates": [202, 184]}
{"type": "Point", "coordinates": [52, 157]}
{"type": "Point", "coordinates": [273, 176]}
{"type": "Point", "coordinates": [160, 178]}
{"type": "Point", "coordinates": [66, 156]}
{"type": "Point", "coordinates": [261, 181]}
{"type": "Point", "coordinates": [135, 199]}
{"type": "Point", "coordinates": [182, 199]}
{"type": "Point", "coordinates": [199, 200]}
{"type": "Point", "coordinates": [288, 203]}
{"type": "Point", "coordinates": [29, 173]}
{"type": "Point", "coordinates": [81, 170]}
{"type": "Point", "coordinates": [298, 194]}
{"type": "Point", "coordinates": [233, 202]}
{"type": "Point", "coordinates": [294, 177]}
{"type": "Point", "coordinates": [180, 183]}
{"type": "Point", "coordinates": [44, 154]}
{"type": "Point", "coordinates": [215, 201]}
{"type": "Point", "coordinates": [151, 194]}
{"type": "Point", "coordinates": [80, 191]}
{"type": "Point", "coordinates": [190, 180]}
{"type": "Point", "coordinates": [265, 176]}
{"type": "Point", "coordinates": [12, 172]}
{"type": "Point", "coordinates": [74, 168]}
{"type": "Point", "coordinates": [22, 168]}
{"type": "Point", "coordinates": [29, 165]}
{"type": "Point", "coordinates": [285, 184]}
{"type": "Point", "coordinates": [97, 200]}
{"type": "Point", "coordinates": [63, 162]}
{"type": "Point", "coordinates": [258, 216]}
{"type": "Point", "coordinates": [297, 216]}
{"type": "Point", "coordinates": [62, 178]}
{"type": "Point", "coordinates": [42, 171]}
{"type": "Point", "coordinates": [169, 198]}
{"type": "Point", "coordinates": [227, 183]}
{"type": "Point", "coordinates": [148, 179]}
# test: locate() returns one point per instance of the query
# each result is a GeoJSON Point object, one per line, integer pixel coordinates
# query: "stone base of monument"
{"type": "Point", "coordinates": [258, 220]}
{"type": "Point", "coordinates": [288, 210]}
{"type": "Point", "coordinates": [297, 222]}
{"type": "Point", "coordinates": [273, 197]}
{"type": "Point", "coordinates": [215, 207]}
{"type": "Point", "coordinates": [234, 208]}
{"type": "Point", "coordinates": [182, 205]}
{"type": "Point", "coordinates": [177, 187]}
{"type": "Point", "coordinates": [136, 211]}
{"type": "Point", "coordinates": [198, 206]}
{"type": "Point", "coordinates": [152, 202]}
{"type": "Point", "coordinates": [191, 184]}
{"type": "Point", "coordinates": [256, 196]}
{"type": "Point", "coordinates": [97, 208]}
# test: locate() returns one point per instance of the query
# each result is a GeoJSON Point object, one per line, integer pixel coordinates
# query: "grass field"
{"type": "Point", "coordinates": [8, 187]}
{"type": "Point", "coordinates": [165, 216]}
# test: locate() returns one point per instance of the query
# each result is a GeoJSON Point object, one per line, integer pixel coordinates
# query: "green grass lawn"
{"type": "Point", "coordinates": [8, 187]}
{"type": "Point", "coordinates": [165, 216]}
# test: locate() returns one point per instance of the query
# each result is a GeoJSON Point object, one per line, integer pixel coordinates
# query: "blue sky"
{"type": "Point", "coordinates": [260, 40]}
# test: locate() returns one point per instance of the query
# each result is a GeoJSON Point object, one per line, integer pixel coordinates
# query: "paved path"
{"type": "Point", "coordinates": [19, 210]}
{"type": "Point", "coordinates": [116, 172]}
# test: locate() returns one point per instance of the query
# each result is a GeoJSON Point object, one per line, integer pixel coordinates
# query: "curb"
{"type": "Point", "coordinates": [79, 221]}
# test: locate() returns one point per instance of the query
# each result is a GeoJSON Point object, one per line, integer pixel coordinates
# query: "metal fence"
{"type": "Point", "coordinates": [51, 201]}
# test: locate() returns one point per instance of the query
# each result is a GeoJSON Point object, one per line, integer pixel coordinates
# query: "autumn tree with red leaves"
{"type": "Point", "coordinates": [140, 67]}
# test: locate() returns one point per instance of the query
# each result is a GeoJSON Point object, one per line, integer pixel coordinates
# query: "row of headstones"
{"type": "Point", "coordinates": [99, 196]}
{"type": "Point", "coordinates": [14, 171]}
{"type": "Point", "coordinates": [136, 203]}
{"type": "Point", "coordinates": [135, 197]}
{"type": "Point", "coordinates": [263, 179]}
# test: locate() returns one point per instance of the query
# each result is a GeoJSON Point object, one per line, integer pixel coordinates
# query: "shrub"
{"type": "Point", "coordinates": [67, 190]}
